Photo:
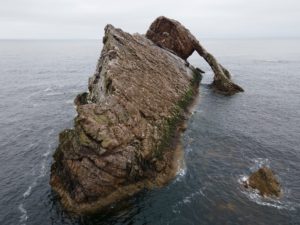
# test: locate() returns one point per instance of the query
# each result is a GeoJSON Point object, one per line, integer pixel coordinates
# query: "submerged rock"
{"type": "Point", "coordinates": [123, 135]}
{"type": "Point", "coordinates": [172, 35]}
{"type": "Point", "coordinates": [265, 182]}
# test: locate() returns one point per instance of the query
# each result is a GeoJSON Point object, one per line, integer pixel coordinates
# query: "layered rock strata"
{"type": "Point", "coordinates": [125, 132]}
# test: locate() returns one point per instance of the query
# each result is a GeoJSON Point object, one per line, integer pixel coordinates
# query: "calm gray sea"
{"type": "Point", "coordinates": [226, 139]}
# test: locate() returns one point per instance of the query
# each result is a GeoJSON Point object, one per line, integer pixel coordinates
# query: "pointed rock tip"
{"type": "Point", "coordinates": [108, 27]}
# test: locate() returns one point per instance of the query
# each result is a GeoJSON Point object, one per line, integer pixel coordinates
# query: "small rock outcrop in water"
{"type": "Point", "coordinates": [265, 182]}
{"type": "Point", "coordinates": [172, 35]}
{"type": "Point", "coordinates": [126, 123]}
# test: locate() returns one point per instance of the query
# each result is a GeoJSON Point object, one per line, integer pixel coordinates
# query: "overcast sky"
{"type": "Point", "coordinates": [85, 19]}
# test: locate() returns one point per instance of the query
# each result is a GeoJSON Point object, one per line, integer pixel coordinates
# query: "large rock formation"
{"type": "Point", "coordinates": [170, 34]}
{"type": "Point", "coordinates": [123, 134]}
{"type": "Point", "coordinates": [265, 182]}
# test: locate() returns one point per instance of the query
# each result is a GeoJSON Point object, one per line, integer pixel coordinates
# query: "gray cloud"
{"type": "Point", "coordinates": [80, 19]}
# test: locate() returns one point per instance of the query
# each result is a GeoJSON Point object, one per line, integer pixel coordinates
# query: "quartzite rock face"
{"type": "Point", "coordinates": [121, 139]}
{"type": "Point", "coordinates": [265, 182]}
{"type": "Point", "coordinates": [172, 35]}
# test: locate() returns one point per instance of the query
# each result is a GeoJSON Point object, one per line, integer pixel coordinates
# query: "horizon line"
{"type": "Point", "coordinates": [100, 39]}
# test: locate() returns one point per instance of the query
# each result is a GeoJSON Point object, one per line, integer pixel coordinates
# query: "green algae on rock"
{"type": "Point", "coordinates": [124, 136]}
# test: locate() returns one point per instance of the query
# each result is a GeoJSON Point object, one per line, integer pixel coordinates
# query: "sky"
{"type": "Point", "coordinates": [85, 19]}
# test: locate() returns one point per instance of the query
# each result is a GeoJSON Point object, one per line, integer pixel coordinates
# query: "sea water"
{"type": "Point", "coordinates": [227, 137]}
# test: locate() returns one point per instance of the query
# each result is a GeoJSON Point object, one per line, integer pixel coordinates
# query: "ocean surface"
{"type": "Point", "coordinates": [227, 137]}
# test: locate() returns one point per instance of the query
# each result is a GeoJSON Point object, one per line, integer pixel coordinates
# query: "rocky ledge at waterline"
{"type": "Point", "coordinates": [126, 131]}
